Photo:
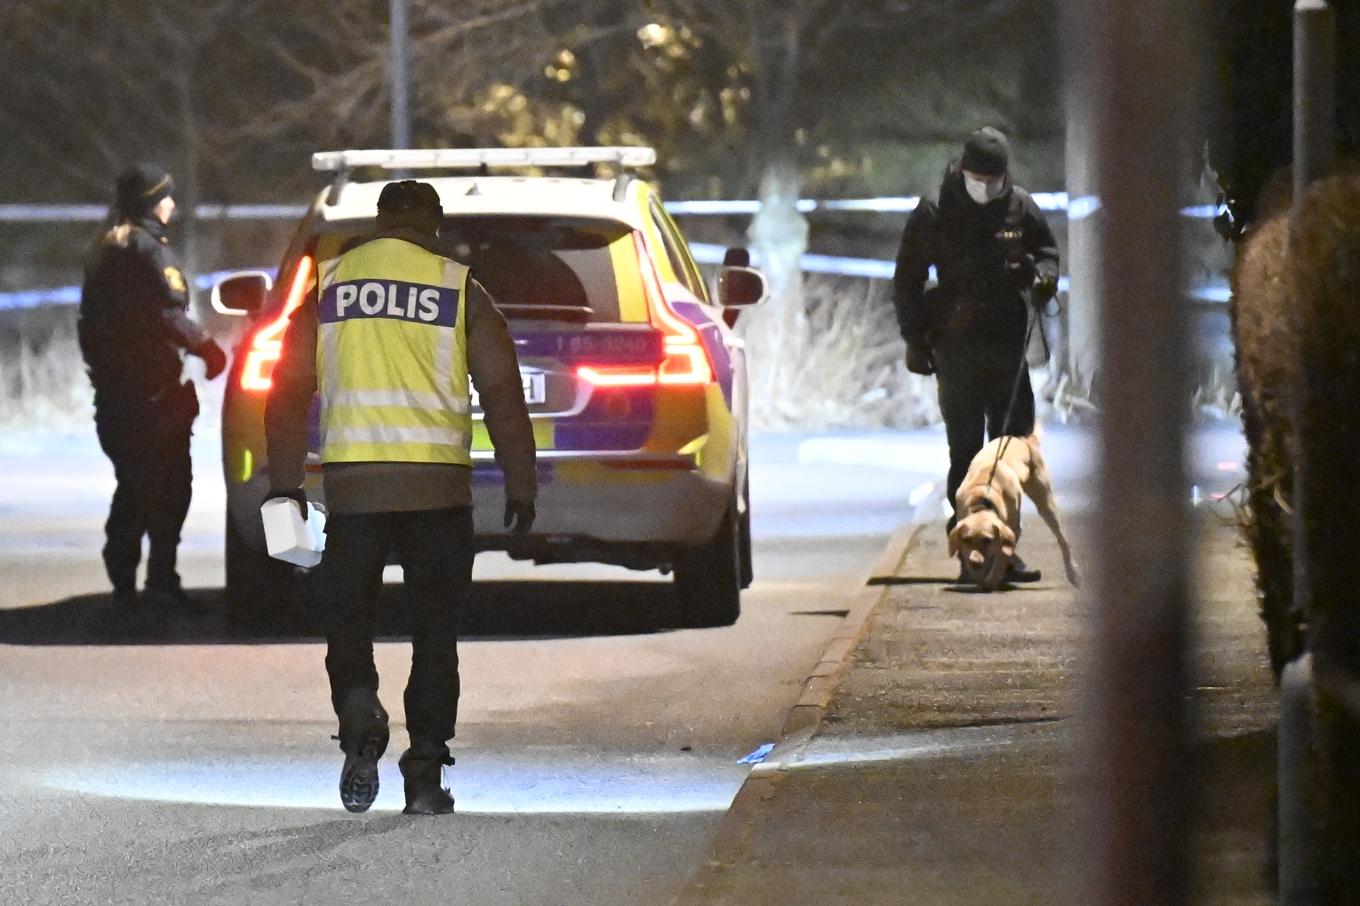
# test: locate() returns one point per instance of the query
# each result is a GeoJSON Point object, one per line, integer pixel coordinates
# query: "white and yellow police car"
{"type": "Point", "coordinates": [635, 382]}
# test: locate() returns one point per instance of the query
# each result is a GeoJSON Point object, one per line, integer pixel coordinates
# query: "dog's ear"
{"type": "Point", "coordinates": [1007, 539]}
{"type": "Point", "coordinates": [954, 542]}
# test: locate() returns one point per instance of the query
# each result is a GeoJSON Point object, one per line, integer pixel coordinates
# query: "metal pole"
{"type": "Point", "coordinates": [1298, 833]}
{"type": "Point", "coordinates": [1301, 856]}
{"type": "Point", "coordinates": [400, 76]}
{"type": "Point", "coordinates": [1314, 91]}
{"type": "Point", "coordinates": [1136, 58]}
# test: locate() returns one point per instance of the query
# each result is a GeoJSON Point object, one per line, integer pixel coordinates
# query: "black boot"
{"type": "Point", "coordinates": [422, 772]}
{"type": "Point", "coordinates": [123, 601]}
{"type": "Point", "coordinates": [170, 597]}
{"type": "Point", "coordinates": [363, 739]}
{"type": "Point", "coordinates": [1017, 572]}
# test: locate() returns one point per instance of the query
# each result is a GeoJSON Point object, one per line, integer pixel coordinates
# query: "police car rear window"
{"type": "Point", "coordinates": [534, 267]}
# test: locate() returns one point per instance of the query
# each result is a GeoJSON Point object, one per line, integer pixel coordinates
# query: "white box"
{"type": "Point", "coordinates": [289, 537]}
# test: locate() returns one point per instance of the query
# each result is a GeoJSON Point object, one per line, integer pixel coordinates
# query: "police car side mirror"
{"type": "Point", "coordinates": [242, 293]}
{"type": "Point", "coordinates": [740, 287]}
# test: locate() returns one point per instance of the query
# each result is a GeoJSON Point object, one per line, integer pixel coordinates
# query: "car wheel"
{"type": "Point", "coordinates": [263, 594]}
{"type": "Point", "coordinates": [708, 577]}
{"type": "Point", "coordinates": [748, 571]}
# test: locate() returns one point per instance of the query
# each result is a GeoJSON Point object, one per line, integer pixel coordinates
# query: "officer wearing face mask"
{"type": "Point", "coordinates": [994, 256]}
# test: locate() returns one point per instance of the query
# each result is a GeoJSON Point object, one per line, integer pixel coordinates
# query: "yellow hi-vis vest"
{"type": "Point", "coordinates": [391, 356]}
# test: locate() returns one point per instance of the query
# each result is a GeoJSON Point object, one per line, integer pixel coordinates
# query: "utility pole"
{"type": "Point", "coordinates": [1303, 855]}
{"type": "Point", "coordinates": [1314, 92]}
{"type": "Point", "coordinates": [1135, 59]}
{"type": "Point", "coordinates": [400, 75]}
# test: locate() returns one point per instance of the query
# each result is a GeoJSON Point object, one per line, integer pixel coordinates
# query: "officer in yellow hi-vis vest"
{"type": "Point", "coordinates": [388, 338]}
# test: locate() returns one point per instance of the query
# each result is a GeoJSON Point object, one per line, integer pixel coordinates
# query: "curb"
{"type": "Point", "coordinates": [807, 713]}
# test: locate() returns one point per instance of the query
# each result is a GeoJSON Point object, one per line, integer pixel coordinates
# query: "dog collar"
{"type": "Point", "coordinates": [984, 503]}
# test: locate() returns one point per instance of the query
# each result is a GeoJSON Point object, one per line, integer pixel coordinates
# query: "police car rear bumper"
{"type": "Point", "coordinates": [615, 499]}
{"type": "Point", "coordinates": [585, 503]}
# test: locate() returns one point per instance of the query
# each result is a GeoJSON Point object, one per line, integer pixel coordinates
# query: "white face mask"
{"type": "Point", "coordinates": [982, 190]}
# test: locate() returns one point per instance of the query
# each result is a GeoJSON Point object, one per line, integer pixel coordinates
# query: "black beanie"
{"type": "Point", "coordinates": [986, 152]}
{"type": "Point", "coordinates": [409, 195]}
{"type": "Point", "coordinates": [411, 204]}
{"type": "Point", "coordinates": [141, 188]}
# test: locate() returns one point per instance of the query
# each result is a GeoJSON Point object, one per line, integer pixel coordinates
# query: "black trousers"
{"type": "Point", "coordinates": [975, 385]}
{"type": "Point", "coordinates": [435, 550]}
{"type": "Point", "coordinates": [148, 444]}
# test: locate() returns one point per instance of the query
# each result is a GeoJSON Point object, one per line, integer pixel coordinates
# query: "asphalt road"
{"type": "Point", "coordinates": [597, 749]}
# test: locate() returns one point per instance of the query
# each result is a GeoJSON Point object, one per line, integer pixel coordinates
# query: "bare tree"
{"type": "Point", "coordinates": [117, 81]}
{"type": "Point", "coordinates": [778, 70]}
{"type": "Point", "coordinates": [232, 95]}
{"type": "Point", "coordinates": [338, 63]}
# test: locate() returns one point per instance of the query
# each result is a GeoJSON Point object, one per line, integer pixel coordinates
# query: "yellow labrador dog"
{"type": "Point", "coordinates": [988, 526]}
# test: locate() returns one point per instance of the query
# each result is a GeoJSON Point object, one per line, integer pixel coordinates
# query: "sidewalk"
{"type": "Point", "coordinates": [943, 771]}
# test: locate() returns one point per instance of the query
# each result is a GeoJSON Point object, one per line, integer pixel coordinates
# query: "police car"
{"type": "Point", "coordinates": [635, 382]}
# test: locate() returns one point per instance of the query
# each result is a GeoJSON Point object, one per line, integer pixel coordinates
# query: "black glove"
{"type": "Point", "coordinates": [919, 359]}
{"type": "Point", "coordinates": [1045, 288]}
{"type": "Point", "coordinates": [297, 495]}
{"type": "Point", "coordinates": [214, 359]}
{"type": "Point", "coordinates": [519, 516]}
{"type": "Point", "coordinates": [1020, 270]}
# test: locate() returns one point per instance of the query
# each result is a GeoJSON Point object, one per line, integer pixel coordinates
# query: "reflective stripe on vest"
{"type": "Point", "coordinates": [392, 356]}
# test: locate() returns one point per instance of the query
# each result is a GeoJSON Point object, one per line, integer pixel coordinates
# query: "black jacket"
{"type": "Point", "coordinates": [986, 257]}
{"type": "Point", "coordinates": [134, 321]}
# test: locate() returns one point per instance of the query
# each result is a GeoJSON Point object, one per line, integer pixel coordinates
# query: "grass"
{"type": "Point", "coordinates": [1215, 400]}
{"type": "Point", "coordinates": [43, 384]}
{"type": "Point", "coordinates": [42, 375]}
{"type": "Point", "coordinates": [831, 361]}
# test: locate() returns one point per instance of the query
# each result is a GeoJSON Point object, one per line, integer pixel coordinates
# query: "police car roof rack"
{"type": "Point", "coordinates": [341, 163]}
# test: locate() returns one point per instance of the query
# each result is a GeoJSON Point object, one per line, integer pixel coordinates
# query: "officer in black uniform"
{"type": "Point", "coordinates": [134, 330]}
{"type": "Point", "coordinates": [994, 255]}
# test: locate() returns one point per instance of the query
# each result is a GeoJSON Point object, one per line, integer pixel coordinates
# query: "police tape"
{"type": "Point", "coordinates": [70, 295]}
{"type": "Point", "coordinates": [96, 213]}
{"type": "Point", "coordinates": [1053, 202]}
{"type": "Point", "coordinates": [704, 253]}
{"type": "Point", "coordinates": [881, 269]}
{"type": "Point", "coordinates": [834, 265]}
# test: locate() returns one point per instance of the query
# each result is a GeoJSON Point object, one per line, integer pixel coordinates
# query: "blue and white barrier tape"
{"type": "Point", "coordinates": [1076, 208]}
{"type": "Point", "coordinates": [1057, 202]}
{"type": "Point", "coordinates": [95, 213]}
{"type": "Point", "coordinates": [880, 269]}
{"type": "Point", "coordinates": [70, 295]}
{"type": "Point", "coordinates": [869, 268]}
{"type": "Point", "coordinates": [704, 253]}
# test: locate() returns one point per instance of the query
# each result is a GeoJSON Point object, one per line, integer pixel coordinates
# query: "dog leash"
{"type": "Point", "coordinates": [1015, 392]}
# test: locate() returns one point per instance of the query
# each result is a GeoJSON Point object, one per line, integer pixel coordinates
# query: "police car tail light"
{"type": "Point", "coordinates": [613, 376]}
{"type": "Point", "coordinates": [267, 344]}
{"type": "Point", "coordinates": [685, 361]}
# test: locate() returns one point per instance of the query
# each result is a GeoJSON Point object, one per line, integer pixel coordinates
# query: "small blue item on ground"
{"type": "Point", "coordinates": [759, 754]}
